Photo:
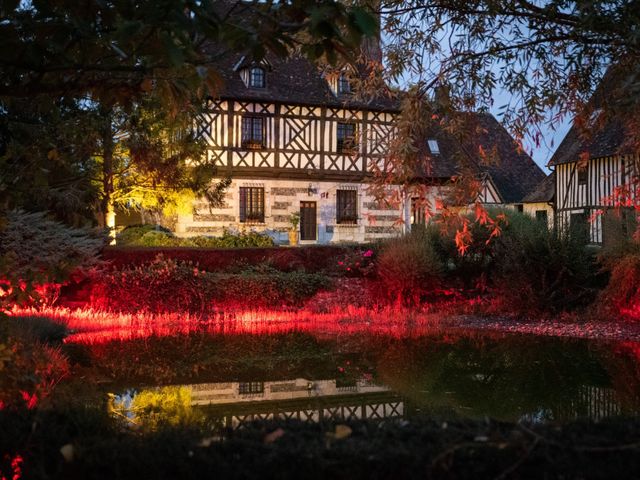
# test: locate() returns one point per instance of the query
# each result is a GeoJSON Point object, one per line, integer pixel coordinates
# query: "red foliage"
{"type": "Point", "coordinates": [16, 467]}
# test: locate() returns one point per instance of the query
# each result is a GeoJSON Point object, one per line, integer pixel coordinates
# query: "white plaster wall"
{"type": "Point", "coordinates": [282, 198]}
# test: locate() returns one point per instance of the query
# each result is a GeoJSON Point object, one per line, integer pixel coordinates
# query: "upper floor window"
{"type": "Point", "coordinates": [253, 132]}
{"type": "Point", "coordinates": [257, 77]}
{"type": "Point", "coordinates": [344, 85]}
{"type": "Point", "coordinates": [346, 135]}
{"type": "Point", "coordinates": [346, 207]}
{"type": "Point", "coordinates": [582, 175]}
{"type": "Point", "coordinates": [252, 204]}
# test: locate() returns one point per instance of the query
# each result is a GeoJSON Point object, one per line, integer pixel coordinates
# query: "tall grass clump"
{"type": "Point", "coordinates": [411, 266]}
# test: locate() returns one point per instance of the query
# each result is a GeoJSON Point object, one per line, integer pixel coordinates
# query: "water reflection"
{"type": "Point", "coordinates": [376, 377]}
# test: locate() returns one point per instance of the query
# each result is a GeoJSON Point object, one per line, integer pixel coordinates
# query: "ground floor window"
{"type": "Point", "coordinates": [418, 212]}
{"type": "Point", "coordinates": [252, 204]}
{"type": "Point", "coordinates": [346, 207]}
{"type": "Point", "coordinates": [618, 225]}
{"type": "Point", "coordinates": [248, 388]}
{"type": "Point", "coordinates": [542, 217]}
{"type": "Point", "coordinates": [579, 226]}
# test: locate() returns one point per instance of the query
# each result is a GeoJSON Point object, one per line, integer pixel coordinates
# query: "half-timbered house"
{"type": "Point", "coordinates": [294, 140]}
{"type": "Point", "coordinates": [589, 171]}
{"type": "Point", "coordinates": [502, 172]}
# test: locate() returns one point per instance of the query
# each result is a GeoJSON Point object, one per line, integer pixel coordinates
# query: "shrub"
{"type": "Point", "coordinates": [169, 285]}
{"type": "Point", "coordinates": [410, 266]}
{"type": "Point", "coordinates": [29, 372]}
{"type": "Point", "coordinates": [622, 294]}
{"type": "Point", "coordinates": [311, 259]}
{"type": "Point", "coordinates": [157, 236]}
{"type": "Point", "coordinates": [357, 263]}
{"type": "Point", "coordinates": [38, 256]}
{"type": "Point", "coordinates": [535, 269]}
{"type": "Point", "coordinates": [162, 285]}
{"type": "Point", "coordinates": [278, 289]}
{"type": "Point", "coordinates": [133, 234]}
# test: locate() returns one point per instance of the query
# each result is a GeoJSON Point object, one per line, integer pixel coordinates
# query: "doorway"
{"type": "Point", "coordinates": [308, 223]}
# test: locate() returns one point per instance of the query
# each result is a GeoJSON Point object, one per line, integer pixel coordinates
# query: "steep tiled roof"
{"type": "Point", "coordinates": [607, 140]}
{"type": "Point", "coordinates": [544, 192]}
{"type": "Point", "coordinates": [491, 150]}
{"type": "Point", "coordinates": [608, 134]}
{"type": "Point", "coordinates": [293, 80]}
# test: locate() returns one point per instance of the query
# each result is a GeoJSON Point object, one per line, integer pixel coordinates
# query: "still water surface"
{"type": "Point", "coordinates": [317, 377]}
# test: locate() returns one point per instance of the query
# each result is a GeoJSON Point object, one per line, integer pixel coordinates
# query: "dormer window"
{"type": "Point", "coordinates": [344, 85]}
{"type": "Point", "coordinates": [434, 148]}
{"type": "Point", "coordinates": [257, 77]}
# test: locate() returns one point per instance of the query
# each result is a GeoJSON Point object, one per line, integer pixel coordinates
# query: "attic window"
{"type": "Point", "coordinates": [344, 86]}
{"type": "Point", "coordinates": [257, 77]}
{"type": "Point", "coordinates": [434, 148]}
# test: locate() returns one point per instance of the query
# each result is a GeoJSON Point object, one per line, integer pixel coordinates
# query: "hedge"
{"type": "Point", "coordinates": [310, 259]}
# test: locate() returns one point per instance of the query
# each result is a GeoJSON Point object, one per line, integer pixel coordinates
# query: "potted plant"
{"type": "Point", "coordinates": [294, 220]}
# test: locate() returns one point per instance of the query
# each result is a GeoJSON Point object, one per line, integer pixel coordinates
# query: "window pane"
{"type": "Point", "coordinates": [252, 204]}
{"type": "Point", "coordinates": [346, 206]}
{"type": "Point", "coordinates": [257, 78]}
{"type": "Point", "coordinates": [343, 84]}
{"type": "Point", "coordinates": [346, 137]}
{"type": "Point", "coordinates": [252, 132]}
{"type": "Point", "coordinates": [434, 148]}
{"type": "Point", "coordinates": [246, 130]}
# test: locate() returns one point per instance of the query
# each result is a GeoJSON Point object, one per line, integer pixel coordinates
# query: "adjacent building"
{"type": "Point", "coordinates": [592, 174]}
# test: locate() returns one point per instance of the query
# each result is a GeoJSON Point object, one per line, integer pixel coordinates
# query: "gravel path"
{"type": "Point", "coordinates": [604, 330]}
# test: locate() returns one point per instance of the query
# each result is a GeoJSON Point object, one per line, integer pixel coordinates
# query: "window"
{"type": "Point", "coordinates": [582, 175]}
{"type": "Point", "coordinates": [618, 224]}
{"type": "Point", "coordinates": [346, 207]}
{"type": "Point", "coordinates": [253, 132]}
{"type": "Point", "coordinates": [434, 148]}
{"type": "Point", "coordinates": [579, 226]}
{"type": "Point", "coordinates": [344, 86]}
{"type": "Point", "coordinates": [346, 137]}
{"type": "Point", "coordinates": [252, 204]}
{"type": "Point", "coordinates": [248, 388]}
{"type": "Point", "coordinates": [257, 77]}
{"type": "Point", "coordinates": [541, 216]}
{"type": "Point", "coordinates": [418, 214]}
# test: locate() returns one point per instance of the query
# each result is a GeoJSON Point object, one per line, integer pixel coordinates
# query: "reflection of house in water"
{"type": "Point", "coordinates": [319, 400]}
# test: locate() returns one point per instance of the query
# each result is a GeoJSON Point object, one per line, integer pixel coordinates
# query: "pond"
{"type": "Point", "coordinates": [230, 379]}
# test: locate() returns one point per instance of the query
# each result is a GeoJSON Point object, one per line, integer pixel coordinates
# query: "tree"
{"type": "Point", "coordinates": [549, 56]}
{"type": "Point", "coordinates": [95, 97]}
{"type": "Point", "coordinates": [116, 51]}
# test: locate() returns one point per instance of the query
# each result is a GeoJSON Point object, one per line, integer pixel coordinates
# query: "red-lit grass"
{"type": "Point", "coordinates": [96, 326]}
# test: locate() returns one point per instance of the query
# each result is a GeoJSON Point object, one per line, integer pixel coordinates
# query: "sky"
{"type": "Point", "coordinates": [552, 138]}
